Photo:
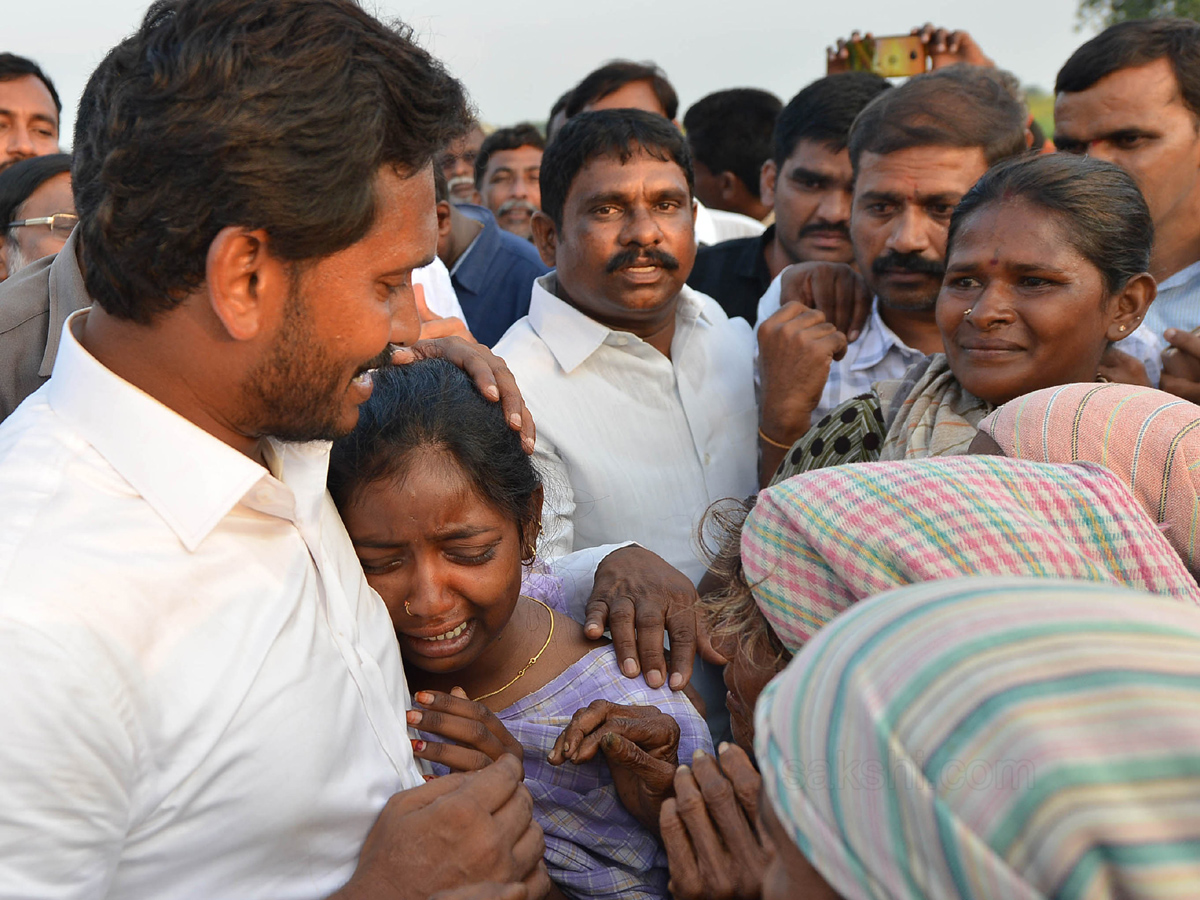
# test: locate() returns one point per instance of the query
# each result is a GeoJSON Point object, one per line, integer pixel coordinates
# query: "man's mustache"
{"type": "Point", "coordinates": [459, 181]}
{"type": "Point", "coordinates": [516, 204]}
{"type": "Point", "coordinates": [641, 256]}
{"type": "Point", "coordinates": [907, 262]}
{"type": "Point", "coordinates": [817, 227]}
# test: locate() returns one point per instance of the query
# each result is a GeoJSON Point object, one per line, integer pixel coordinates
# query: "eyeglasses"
{"type": "Point", "coordinates": [61, 224]}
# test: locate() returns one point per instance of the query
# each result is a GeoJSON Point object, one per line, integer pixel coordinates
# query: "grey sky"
{"type": "Point", "coordinates": [517, 57]}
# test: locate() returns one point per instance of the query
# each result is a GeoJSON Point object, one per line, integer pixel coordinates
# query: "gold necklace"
{"type": "Point", "coordinates": [532, 660]}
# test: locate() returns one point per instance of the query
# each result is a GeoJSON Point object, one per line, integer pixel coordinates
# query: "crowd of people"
{"type": "Point", "coordinates": [801, 501]}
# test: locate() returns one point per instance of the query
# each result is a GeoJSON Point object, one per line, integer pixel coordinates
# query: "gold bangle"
{"type": "Point", "coordinates": [773, 443]}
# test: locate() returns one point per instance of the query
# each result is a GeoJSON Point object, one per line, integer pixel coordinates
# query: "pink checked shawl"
{"type": "Point", "coordinates": [816, 543]}
{"type": "Point", "coordinates": [1149, 439]}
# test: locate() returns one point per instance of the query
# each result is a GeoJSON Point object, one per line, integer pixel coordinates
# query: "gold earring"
{"type": "Point", "coordinates": [967, 314]}
{"type": "Point", "coordinates": [1122, 328]}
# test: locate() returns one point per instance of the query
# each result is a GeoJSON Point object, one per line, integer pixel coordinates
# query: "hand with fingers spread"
{"type": "Point", "coordinates": [1181, 365]}
{"type": "Point", "coordinates": [640, 745]}
{"type": "Point", "coordinates": [638, 595]}
{"type": "Point", "coordinates": [951, 48]}
{"type": "Point", "coordinates": [486, 369]}
{"type": "Point", "coordinates": [710, 829]}
{"type": "Point", "coordinates": [415, 847]}
{"type": "Point", "coordinates": [1116, 365]}
{"type": "Point", "coordinates": [796, 348]}
{"type": "Point", "coordinates": [477, 737]}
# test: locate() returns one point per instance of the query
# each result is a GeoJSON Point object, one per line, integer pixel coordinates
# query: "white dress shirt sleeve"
{"type": "Point", "coordinates": [67, 767]}
{"type": "Point", "coordinates": [578, 573]}
{"type": "Point", "coordinates": [769, 303]}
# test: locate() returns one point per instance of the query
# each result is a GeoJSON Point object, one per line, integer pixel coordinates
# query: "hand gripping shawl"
{"type": "Point", "coordinates": [993, 739]}
{"type": "Point", "coordinates": [816, 543]}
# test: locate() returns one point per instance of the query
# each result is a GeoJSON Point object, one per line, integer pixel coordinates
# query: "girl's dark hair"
{"type": "Point", "coordinates": [1106, 216]}
{"type": "Point", "coordinates": [434, 404]}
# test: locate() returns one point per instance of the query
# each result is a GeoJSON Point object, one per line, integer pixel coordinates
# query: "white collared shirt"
{"type": "Point", "coordinates": [632, 445]}
{"type": "Point", "coordinates": [1178, 302]}
{"type": "Point", "coordinates": [200, 696]}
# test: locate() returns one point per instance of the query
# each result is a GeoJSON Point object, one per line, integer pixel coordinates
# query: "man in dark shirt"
{"type": "Point", "coordinates": [492, 270]}
{"type": "Point", "coordinates": [809, 181]}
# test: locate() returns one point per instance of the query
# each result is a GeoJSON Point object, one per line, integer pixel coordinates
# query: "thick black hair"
{"type": "Point", "coordinates": [617, 133]}
{"type": "Point", "coordinates": [615, 75]}
{"type": "Point", "coordinates": [1137, 43]}
{"type": "Point", "coordinates": [272, 114]}
{"type": "Point", "coordinates": [433, 404]}
{"type": "Point", "coordinates": [13, 67]}
{"type": "Point", "coordinates": [958, 106]}
{"type": "Point", "coordinates": [21, 179]}
{"type": "Point", "coordinates": [523, 134]}
{"type": "Point", "coordinates": [1105, 215]}
{"type": "Point", "coordinates": [824, 111]}
{"type": "Point", "coordinates": [731, 131]}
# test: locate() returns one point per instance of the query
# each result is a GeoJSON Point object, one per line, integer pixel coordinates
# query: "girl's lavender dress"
{"type": "Point", "coordinates": [594, 847]}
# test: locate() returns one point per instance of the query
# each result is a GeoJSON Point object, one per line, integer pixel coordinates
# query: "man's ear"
{"type": "Point", "coordinates": [3, 258]}
{"type": "Point", "coordinates": [247, 286]}
{"type": "Point", "coordinates": [545, 238]}
{"type": "Point", "coordinates": [730, 186]}
{"type": "Point", "coordinates": [1128, 307]}
{"type": "Point", "coordinates": [443, 217]}
{"type": "Point", "coordinates": [766, 182]}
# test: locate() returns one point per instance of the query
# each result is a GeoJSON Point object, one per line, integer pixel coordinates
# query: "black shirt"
{"type": "Point", "coordinates": [734, 273]}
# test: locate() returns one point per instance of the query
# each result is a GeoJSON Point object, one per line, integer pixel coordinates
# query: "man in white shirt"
{"type": "Point", "coordinates": [202, 698]}
{"type": "Point", "coordinates": [642, 388]}
{"type": "Point", "coordinates": [1131, 96]}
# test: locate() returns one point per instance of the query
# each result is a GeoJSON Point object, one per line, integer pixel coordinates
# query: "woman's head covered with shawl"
{"type": "Point", "coordinates": [998, 738]}
{"type": "Point", "coordinates": [1151, 440]}
{"type": "Point", "coordinates": [816, 543]}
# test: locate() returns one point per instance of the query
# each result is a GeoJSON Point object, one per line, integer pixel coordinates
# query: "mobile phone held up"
{"type": "Point", "coordinates": [892, 57]}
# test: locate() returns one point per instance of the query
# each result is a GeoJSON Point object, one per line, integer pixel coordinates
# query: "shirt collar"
{"type": "Point", "coordinates": [1183, 276]}
{"type": "Point", "coordinates": [573, 336]}
{"type": "Point", "coordinates": [877, 341]}
{"type": "Point", "coordinates": [67, 294]}
{"type": "Point", "coordinates": [471, 268]}
{"type": "Point", "coordinates": [190, 478]}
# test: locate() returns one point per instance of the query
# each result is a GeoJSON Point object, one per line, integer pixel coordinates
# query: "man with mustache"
{"type": "Point", "coordinates": [915, 151]}
{"type": "Point", "coordinates": [458, 164]}
{"type": "Point", "coordinates": [642, 388]}
{"type": "Point", "coordinates": [29, 111]}
{"type": "Point", "coordinates": [507, 171]}
{"type": "Point", "coordinates": [809, 181]}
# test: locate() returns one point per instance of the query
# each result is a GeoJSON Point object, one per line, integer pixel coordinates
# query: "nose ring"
{"type": "Point", "coordinates": [406, 609]}
{"type": "Point", "coordinates": [967, 314]}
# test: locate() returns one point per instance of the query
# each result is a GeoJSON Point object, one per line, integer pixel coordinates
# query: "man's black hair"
{"type": "Point", "coordinates": [1137, 43]}
{"type": "Point", "coordinates": [614, 133]}
{"type": "Point", "coordinates": [22, 178]}
{"type": "Point", "coordinates": [271, 114]}
{"type": "Point", "coordinates": [958, 106]}
{"type": "Point", "coordinates": [615, 75]}
{"type": "Point", "coordinates": [524, 134]}
{"type": "Point", "coordinates": [731, 131]}
{"type": "Point", "coordinates": [824, 111]}
{"type": "Point", "coordinates": [13, 67]}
